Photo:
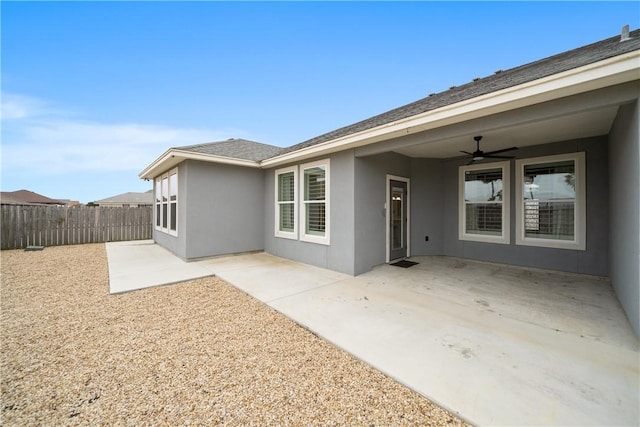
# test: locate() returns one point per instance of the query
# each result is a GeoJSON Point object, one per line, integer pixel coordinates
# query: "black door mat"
{"type": "Point", "coordinates": [404, 263]}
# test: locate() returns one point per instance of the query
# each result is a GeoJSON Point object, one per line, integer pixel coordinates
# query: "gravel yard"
{"type": "Point", "coordinates": [201, 352]}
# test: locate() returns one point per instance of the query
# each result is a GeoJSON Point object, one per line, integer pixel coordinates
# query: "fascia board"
{"type": "Point", "coordinates": [174, 156]}
{"type": "Point", "coordinates": [147, 173]}
{"type": "Point", "coordinates": [612, 71]}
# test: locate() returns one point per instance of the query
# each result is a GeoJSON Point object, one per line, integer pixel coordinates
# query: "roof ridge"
{"type": "Point", "coordinates": [206, 144]}
{"type": "Point", "coordinates": [235, 148]}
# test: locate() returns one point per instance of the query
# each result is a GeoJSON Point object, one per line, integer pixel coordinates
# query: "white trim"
{"type": "Point", "coordinates": [277, 232]}
{"type": "Point", "coordinates": [505, 237]}
{"type": "Point", "coordinates": [609, 72]}
{"type": "Point", "coordinates": [173, 156]}
{"type": "Point", "coordinates": [323, 240]}
{"type": "Point", "coordinates": [388, 215]}
{"type": "Point", "coordinates": [580, 224]}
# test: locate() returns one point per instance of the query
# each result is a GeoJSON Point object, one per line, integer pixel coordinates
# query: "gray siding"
{"type": "Point", "coordinates": [427, 194]}
{"type": "Point", "coordinates": [226, 209]}
{"type": "Point", "coordinates": [624, 184]}
{"type": "Point", "coordinates": [592, 261]}
{"type": "Point", "coordinates": [338, 256]}
{"type": "Point", "coordinates": [370, 198]}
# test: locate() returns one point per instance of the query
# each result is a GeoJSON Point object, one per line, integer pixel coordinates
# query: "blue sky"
{"type": "Point", "coordinates": [94, 92]}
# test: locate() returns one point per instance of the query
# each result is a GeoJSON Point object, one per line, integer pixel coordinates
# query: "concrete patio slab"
{"type": "Point", "coordinates": [496, 344]}
{"type": "Point", "coordinates": [141, 264]}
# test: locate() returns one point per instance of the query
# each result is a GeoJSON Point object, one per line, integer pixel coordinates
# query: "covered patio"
{"type": "Point", "coordinates": [496, 344]}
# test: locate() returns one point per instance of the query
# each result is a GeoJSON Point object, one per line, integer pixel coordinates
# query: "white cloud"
{"type": "Point", "coordinates": [33, 137]}
{"type": "Point", "coordinates": [15, 106]}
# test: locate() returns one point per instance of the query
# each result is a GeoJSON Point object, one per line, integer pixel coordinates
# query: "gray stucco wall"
{"type": "Point", "coordinates": [370, 198]}
{"type": "Point", "coordinates": [426, 207]}
{"type": "Point", "coordinates": [225, 211]}
{"type": "Point", "coordinates": [592, 261]}
{"type": "Point", "coordinates": [624, 208]}
{"type": "Point", "coordinates": [338, 256]}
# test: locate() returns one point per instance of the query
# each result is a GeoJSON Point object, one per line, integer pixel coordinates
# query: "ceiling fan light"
{"type": "Point", "coordinates": [478, 157]}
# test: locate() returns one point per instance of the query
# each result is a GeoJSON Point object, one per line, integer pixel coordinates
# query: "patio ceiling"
{"type": "Point", "coordinates": [573, 126]}
{"type": "Point", "coordinates": [582, 115]}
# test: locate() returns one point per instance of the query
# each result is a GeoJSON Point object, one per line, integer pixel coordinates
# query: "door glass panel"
{"type": "Point", "coordinates": [397, 214]}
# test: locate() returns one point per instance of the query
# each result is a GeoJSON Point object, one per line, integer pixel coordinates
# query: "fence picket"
{"type": "Point", "coordinates": [22, 226]}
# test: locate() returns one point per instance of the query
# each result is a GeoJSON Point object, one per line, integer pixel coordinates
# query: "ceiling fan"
{"type": "Point", "coordinates": [481, 155]}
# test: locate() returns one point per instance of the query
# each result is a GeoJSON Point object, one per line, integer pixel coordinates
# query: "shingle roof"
{"type": "Point", "coordinates": [254, 151]}
{"type": "Point", "coordinates": [27, 197]}
{"type": "Point", "coordinates": [130, 197]}
{"type": "Point", "coordinates": [236, 149]}
{"type": "Point", "coordinates": [501, 80]}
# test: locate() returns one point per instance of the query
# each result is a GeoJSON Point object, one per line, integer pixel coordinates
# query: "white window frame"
{"type": "Point", "coordinates": [387, 208]}
{"type": "Point", "coordinates": [326, 239]}
{"type": "Point", "coordinates": [580, 209]}
{"type": "Point", "coordinates": [278, 232]}
{"type": "Point", "coordinates": [504, 237]}
{"type": "Point", "coordinates": [158, 215]}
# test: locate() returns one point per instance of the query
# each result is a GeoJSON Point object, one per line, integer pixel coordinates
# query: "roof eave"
{"type": "Point", "coordinates": [612, 71]}
{"type": "Point", "coordinates": [174, 156]}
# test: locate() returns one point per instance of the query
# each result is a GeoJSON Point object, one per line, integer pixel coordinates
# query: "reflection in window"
{"type": "Point", "coordinates": [314, 200]}
{"type": "Point", "coordinates": [173, 201]}
{"type": "Point", "coordinates": [483, 214]}
{"type": "Point", "coordinates": [166, 202]}
{"type": "Point", "coordinates": [549, 200]}
{"type": "Point", "coordinates": [483, 201]}
{"type": "Point", "coordinates": [397, 215]}
{"type": "Point", "coordinates": [286, 202]}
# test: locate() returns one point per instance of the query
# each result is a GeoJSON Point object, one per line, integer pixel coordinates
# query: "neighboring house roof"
{"type": "Point", "coordinates": [236, 148]}
{"type": "Point", "coordinates": [608, 62]}
{"type": "Point", "coordinates": [132, 198]}
{"type": "Point", "coordinates": [26, 197]}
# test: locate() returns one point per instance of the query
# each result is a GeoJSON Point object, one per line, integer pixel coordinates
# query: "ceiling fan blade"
{"type": "Point", "coordinates": [500, 151]}
{"type": "Point", "coordinates": [466, 152]}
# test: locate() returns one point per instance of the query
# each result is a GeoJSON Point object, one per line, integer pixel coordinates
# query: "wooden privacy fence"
{"type": "Point", "coordinates": [24, 226]}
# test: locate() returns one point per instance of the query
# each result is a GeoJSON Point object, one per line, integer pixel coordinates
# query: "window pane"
{"type": "Point", "coordinates": [483, 185]}
{"type": "Point", "coordinates": [550, 181]}
{"type": "Point", "coordinates": [397, 216]}
{"type": "Point", "coordinates": [484, 218]}
{"type": "Point", "coordinates": [174, 213]}
{"type": "Point", "coordinates": [173, 187]}
{"type": "Point", "coordinates": [483, 195]}
{"type": "Point", "coordinates": [315, 218]}
{"type": "Point", "coordinates": [286, 187]}
{"type": "Point", "coordinates": [314, 183]}
{"type": "Point", "coordinates": [286, 217]}
{"type": "Point", "coordinates": [549, 220]}
{"type": "Point", "coordinates": [165, 189]}
{"type": "Point", "coordinates": [164, 215]}
{"type": "Point", "coordinates": [158, 191]}
{"type": "Point", "coordinates": [158, 215]}
{"type": "Point", "coordinates": [549, 191]}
